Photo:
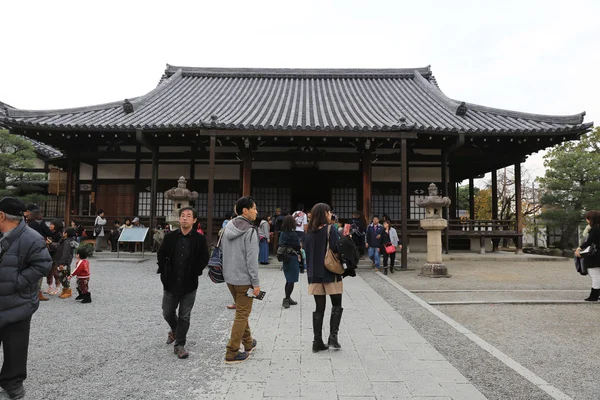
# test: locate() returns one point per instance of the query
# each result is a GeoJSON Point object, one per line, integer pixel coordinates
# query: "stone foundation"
{"type": "Point", "coordinates": [432, 270]}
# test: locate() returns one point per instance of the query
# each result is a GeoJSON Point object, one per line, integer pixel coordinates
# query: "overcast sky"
{"type": "Point", "coordinates": [533, 56]}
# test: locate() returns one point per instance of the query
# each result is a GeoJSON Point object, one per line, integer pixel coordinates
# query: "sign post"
{"type": "Point", "coordinates": [132, 235]}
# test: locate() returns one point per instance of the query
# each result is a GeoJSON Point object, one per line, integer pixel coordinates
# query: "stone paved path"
{"type": "Point", "coordinates": [382, 356]}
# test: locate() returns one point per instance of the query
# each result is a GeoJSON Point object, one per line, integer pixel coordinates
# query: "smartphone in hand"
{"type": "Point", "coordinates": [261, 294]}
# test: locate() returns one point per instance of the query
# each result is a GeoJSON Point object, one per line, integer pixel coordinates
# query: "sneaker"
{"type": "Point", "coordinates": [286, 303]}
{"type": "Point", "coordinates": [231, 307]}
{"type": "Point", "coordinates": [181, 353]}
{"type": "Point", "coordinates": [293, 303]}
{"type": "Point", "coordinates": [241, 356]}
{"type": "Point", "coordinates": [250, 349]}
{"type": "Point", "coordinates": [170, 337]}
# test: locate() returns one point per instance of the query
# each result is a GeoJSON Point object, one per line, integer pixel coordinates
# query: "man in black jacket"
{"type": "Point", "coordinates": [181, 258]}
{"type": "Point", "coordinates": [24, 259]}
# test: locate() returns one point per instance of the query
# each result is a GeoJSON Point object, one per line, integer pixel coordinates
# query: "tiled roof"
{"type": "Point", "coordinates": [297, 100]}
{"type": "Point", "coordinates": [40, 148]}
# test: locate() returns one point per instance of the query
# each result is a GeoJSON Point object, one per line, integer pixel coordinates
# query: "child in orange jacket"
{"type": "Point", "coordinates": [82, 272]}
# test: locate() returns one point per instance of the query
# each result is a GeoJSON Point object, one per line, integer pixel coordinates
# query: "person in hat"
{"type": "Point", "coordinates": [24, 259]}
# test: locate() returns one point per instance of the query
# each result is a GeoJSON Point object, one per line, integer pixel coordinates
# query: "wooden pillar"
{"type": "Point", "coordinates": [77, 187]}
{"type": "Point", "coordinates": [211, 190]}
{"type": "Point", "coordinates": [518, 211]}
{"type": "Point", "coordinates": [138, 157]}
{"type": "Point", "coordinates": [194, 150]}
{"type": "Point", "coordinates": [69, 191]}
{"type": "Point", "coordinates": [93, 208]}
{"type": "Point", "coordinates": [445, 193]}
{"type": "Point", "coordinates": [404, 203]}
{"type": "Point", "coordinates": [471, 199]}
{"type": "Point", "coordinates": [495, 242]}
{"type": "Point", "coordinates": [366, 184]}
{"type": "Point", "coordinates": [153, 189]}
{"type": "Point", "coordinates": [247, 173]}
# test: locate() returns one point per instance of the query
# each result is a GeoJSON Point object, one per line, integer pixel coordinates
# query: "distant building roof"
{"type": "Point", "coordinates": [40, 148]}
{"type": "Point", "coordinates": [297, 100]}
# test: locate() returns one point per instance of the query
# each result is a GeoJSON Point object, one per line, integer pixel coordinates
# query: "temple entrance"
{"type": "Point", "coordinates": [310, 186]}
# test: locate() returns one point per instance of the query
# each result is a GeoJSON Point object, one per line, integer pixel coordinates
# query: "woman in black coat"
{"type": "Point", "coordinates": [322, 282]}
{"type": "Point", "coordinates": [291, 267]}
{"type": "Point", "coordinates": [592, 263]}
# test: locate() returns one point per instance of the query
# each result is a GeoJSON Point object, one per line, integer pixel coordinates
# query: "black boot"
{"type": "Point", "coordinates": [385, 270]}
{"type": "Point", "coordinates": [334, 325]}
{"type": "Point", "coordinates": [392, 268]}
{"type": "Point", "coordinates": [318, 344]}
{"type": "Point", "coordinates": [79, 296]}
{"type": "Point", "coordinates": [593, 295]}
{"type": "Point", "coordinates": [87, 298]}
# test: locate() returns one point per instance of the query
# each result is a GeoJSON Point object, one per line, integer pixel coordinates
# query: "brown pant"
{"type": "Point", "coordinates": [240, 331]}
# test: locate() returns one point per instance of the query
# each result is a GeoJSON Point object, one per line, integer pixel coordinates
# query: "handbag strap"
{"type": "Point", "coordinates": [328, 233]}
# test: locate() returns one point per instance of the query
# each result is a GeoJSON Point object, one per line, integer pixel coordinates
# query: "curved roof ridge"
{"type": "Point", "coordinates": [452, 106]}
{"type": "Point", "coordinates": [136, 102]}
{"type": "Point", "coordinates": [299, 72]}
{"type": "Point", "coordinates": [160, 88]}
{"type": "Point", "coordinates": [559, 119]}
{"type": "Point", "coordinates": [448, 103]}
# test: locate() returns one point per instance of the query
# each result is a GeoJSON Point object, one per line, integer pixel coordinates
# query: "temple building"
{"type": "Point", "coordinates": [366, 139]}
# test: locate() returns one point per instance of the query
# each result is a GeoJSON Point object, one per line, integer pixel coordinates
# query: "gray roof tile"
{"type": "Point", "coordinates": [297, 99]}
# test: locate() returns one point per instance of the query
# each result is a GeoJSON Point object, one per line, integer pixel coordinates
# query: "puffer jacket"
{"type": "Point", "coordinates": [24, 260]}
{"type": "Point", "coordinates": [65, 251]}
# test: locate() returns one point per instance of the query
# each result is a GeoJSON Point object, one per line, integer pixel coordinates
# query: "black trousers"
{"type": "Point", "coordinates": [179, 324]}
{"type": "Point", "coordinates": [392, 258]}
{"type": "Point", "coordinates": [14, 339]}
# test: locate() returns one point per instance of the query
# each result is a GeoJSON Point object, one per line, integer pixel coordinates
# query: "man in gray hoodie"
{"type": "Point", "coordinates": [240, 270]}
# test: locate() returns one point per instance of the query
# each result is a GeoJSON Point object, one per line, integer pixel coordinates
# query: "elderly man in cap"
{"type": "Point", "coordinates": [24, 259]}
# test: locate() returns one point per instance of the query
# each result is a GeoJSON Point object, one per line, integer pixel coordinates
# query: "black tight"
{"type": "Point", "coordinates": [320, 301]}
{"type": "Point", "coordinates": [289, 288]}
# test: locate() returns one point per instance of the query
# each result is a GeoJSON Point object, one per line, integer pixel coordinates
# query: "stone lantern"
{"type": "Point", "coordinates": [181, 197]}
{"type": "Point", "coordinates": [434, 224]}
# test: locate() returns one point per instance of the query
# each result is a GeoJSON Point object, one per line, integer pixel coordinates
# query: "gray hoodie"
{"type": "Point", "coordinates": [240, 253]}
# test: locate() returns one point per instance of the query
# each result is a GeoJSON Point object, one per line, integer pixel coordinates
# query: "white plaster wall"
{"type": "Point", "coordinates": [37, 163]}
{"type": "Point", "coordinates": [222, 172]}
{"type": "Point", "coordinates": [337, 166]}
{"type": "Point", "coordinates": [116, 171]}
{"type": "Point", "coordinates": [166, 171]}
{"type": "Point", "coordinates": [86, 172]}
{"type": "Point", "coordinates": [386, 174]}
{"type": "Point", "coordinates": [424, 174]}
{"type": "Point", "coordinates": [280, 165]}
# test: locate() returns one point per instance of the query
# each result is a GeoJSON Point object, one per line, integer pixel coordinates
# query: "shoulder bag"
{"type": "Point", "coordinates": [332, 263]}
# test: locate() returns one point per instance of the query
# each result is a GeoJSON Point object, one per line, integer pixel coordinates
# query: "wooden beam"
{"type": "Point", "coordinates": [445, 193]}
{"type": "Point", "coordinates": [518, 206]}
{"type": "Point", "coordinates": [404, 203]}
{"type": "Point", "coordinates": [211, 190]}
{"type": "Point", "coordinates": [367, 172]}
{"type": "Point", "coordinates": [495, 241]}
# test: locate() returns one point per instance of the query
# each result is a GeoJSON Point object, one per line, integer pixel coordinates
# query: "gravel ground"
{"type": "Point", "coordinates": [550, 340]}
{"type": "Point", "coordinates": [114, 348]}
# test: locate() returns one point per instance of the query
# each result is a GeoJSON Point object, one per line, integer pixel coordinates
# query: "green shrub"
{"type": "Point", "coordinates": [87, 247]}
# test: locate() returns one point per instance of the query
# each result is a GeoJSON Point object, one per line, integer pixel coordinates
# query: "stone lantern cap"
{"type": "Point", "coordinates": [433, 202]}
{"type": "Point", "coordinates": [181, 192]}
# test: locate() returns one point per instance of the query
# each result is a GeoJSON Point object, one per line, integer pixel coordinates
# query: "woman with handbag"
{"type": "Point", "coordinates": [389, 243]}
{"type": "Point", "coordinates": [99, 229]}
{"type": "Point", "coordinates": [264, 240]}
{"type": "Point", "coordinates": [590, 252]}
{"type": "Point", "coordinates": [291, 266]}
{"type": "Point", "coordinates": [321, 243]}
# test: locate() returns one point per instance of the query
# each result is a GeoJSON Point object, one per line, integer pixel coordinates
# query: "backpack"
{"type": "Point", "coordinates": [215, 264]}
{"type": "Point", "coordinates": [348, 252]}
